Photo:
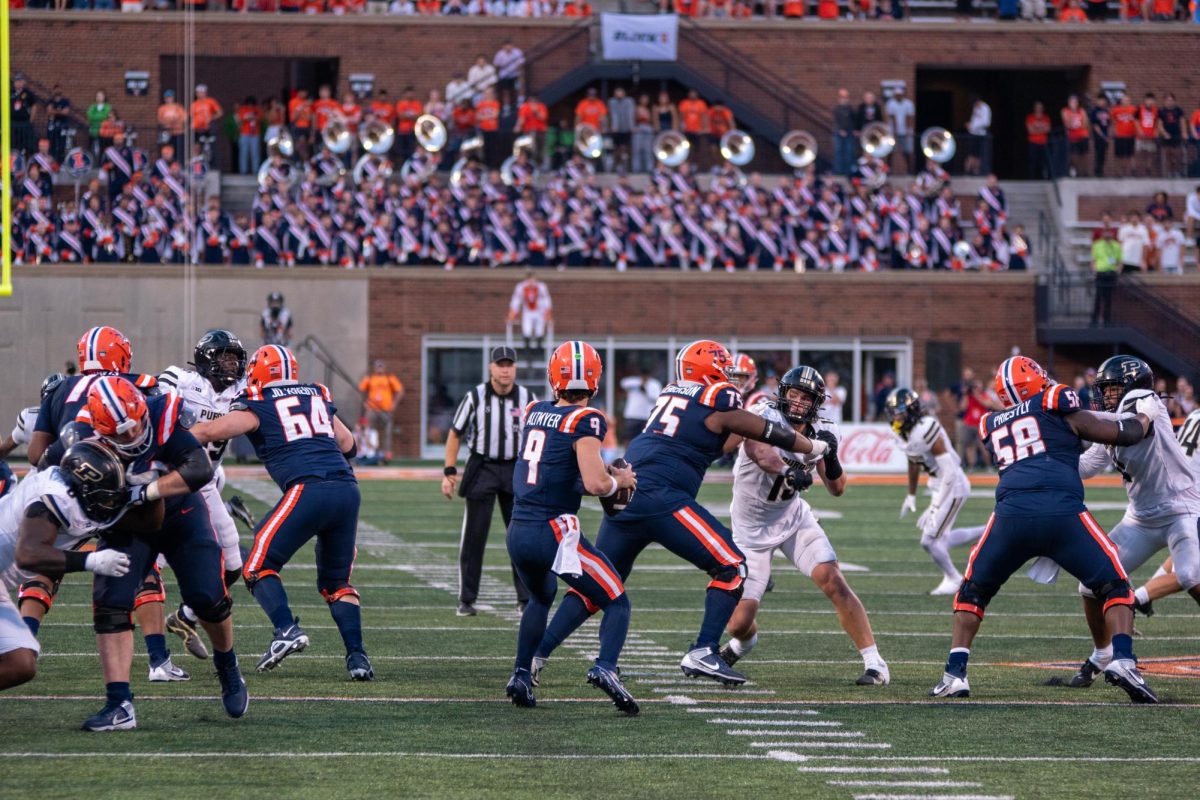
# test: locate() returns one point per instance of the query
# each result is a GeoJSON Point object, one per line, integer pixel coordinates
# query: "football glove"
{"type": "Point", "coordinates": [909, 504]}
{"type": "Point", "coordinates": [927, 518]}
{"type": "Point", "coordinates": [831, 441]}
{"type": "Point", "coordinates": [1147, 405]}
{"type": "Point", "coordinates": [107, 562]}
{"type": "Point", "coordinates": [137, 495]}
{"type": "Point", "coordinates": [797, 479]}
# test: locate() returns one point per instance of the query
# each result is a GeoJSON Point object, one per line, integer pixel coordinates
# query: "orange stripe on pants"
{"type": "Point", "coordinates": [262, 542]}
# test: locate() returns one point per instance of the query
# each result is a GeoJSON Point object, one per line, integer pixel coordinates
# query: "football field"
{"type": "Point", "coordinates": [436, 723]}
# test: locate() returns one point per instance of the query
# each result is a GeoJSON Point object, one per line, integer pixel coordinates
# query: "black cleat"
{"type": "Point", "coordinates": [770, 585]}
{"type": "Point", "coordinates": [608, 682]}
{"type": "Point", "coordinates": [1086, 676]}
{"type": "Point", "coordinates": [1146, 608]}
{"type": "Point", "coordinates": [237, 510]}
{"type": "Point", "coordinates": [234, 696]}
{"type": "Point", "coordinates": [286, 641]}
{"type": "Point", "coordinates": [874, 677]}
{"type": "Point", "coordinates": [727, 654]}
{"type": "Point", "coordinates": [466, 610]}
{"type": "Point", "coordinates": [359, 666]}
{"type": "Point", "coordinates": [704, 662]}
{"type": "Point", "coordinates": [520, 689]}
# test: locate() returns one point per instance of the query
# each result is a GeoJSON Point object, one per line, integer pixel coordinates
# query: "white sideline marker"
{"type": "Point", "coordinates": [786, 755]}
{"type": "Point", "coordinates": [679, 700]}
{"type": "Point", "coordinates": [823, 734]}
{"type": "Point", "coordinates": [806, 711]}
{"type": "Point", "coordinates": [812, 744]}
{"type": "Point", "coordinates": [908, 784]}
{"type": "Point", "coordinates": [873, 770]}
{"type": "Point", "coordinates": [815, 723]}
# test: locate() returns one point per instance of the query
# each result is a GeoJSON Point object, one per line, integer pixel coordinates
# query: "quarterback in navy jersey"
{"type": "Point", "coordinates": [1040, 514]}
{"type": "Point", "coordinates": [164, 462]}
{"type": "Point", "coordinates": [560, 462]}
{"type": "Point", "coordinates": [295, 431]}
{"type": "Point", "coordinates": [695, 420]}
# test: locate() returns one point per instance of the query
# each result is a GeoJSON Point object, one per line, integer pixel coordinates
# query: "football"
{"type": "Point", "coordinates": [616, 502]}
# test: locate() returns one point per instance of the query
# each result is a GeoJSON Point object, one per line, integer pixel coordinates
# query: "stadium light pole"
{"type": "Point", "coordinates": [6, 160]}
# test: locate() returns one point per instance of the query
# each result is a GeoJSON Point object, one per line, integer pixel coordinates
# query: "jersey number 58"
{"type": "Point", "coordinates": [1026, 441]}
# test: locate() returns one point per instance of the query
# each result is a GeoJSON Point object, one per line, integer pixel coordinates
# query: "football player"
{"type": "Point", "coordinates": [1040, 513]}
{"type": "Point", "coordinates": [27, 417]}
{"type": "Point", "coordinates": [1164, 495]}
{"type": "Point", "coordinates": [41, 524]}
{"type": "Point", "coordinates": [308, 451]}
{"type": "Point", "coordinates": [696, 419]}
{"type": "Point", "coordinates": [560, 453]}
{"type": "Point", "coordinates": [928, 447]}
{"type": "Point", "coordinates": [744, 375]}
{"type": "Point", "coordinates": [206, 393]}
{"type": "Point", "coordinates": [101, 351]}
{"type": "Point", "coordinates": [769, 514]}
{"type": "Point", "coordinates": [163, 462]}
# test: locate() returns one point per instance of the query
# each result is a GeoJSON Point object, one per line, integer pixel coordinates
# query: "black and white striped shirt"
{"type": "Point", "coordinates": [491, 423]}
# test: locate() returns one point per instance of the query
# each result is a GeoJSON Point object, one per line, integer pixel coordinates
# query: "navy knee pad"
{"type": "Point", "coordinates": [974, 597]}
{"type": "Point", "coordinates": [729, 578]}
{"type": "Point", "coordinates": [215, 612]}
{"type": "Point", "coordinates": [111, 620]}
{"type": "Point", "coordinates": [1113, 593]}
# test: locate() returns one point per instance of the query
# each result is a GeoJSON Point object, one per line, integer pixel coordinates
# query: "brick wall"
{"type": "Point", "coordinates": [1091, 208]}
{"type": "Point", "coordinates": [987, 314]}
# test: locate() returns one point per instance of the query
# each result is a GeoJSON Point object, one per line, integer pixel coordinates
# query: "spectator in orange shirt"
{"type": "Point", "coordinates": [591, 110]}
{"type": "Point", "coordinates": [793, 9]}
{"type": "Point", "coordinates": [1162, 10]}
{"type": "Point", "coordinates": [381, 394]}
{"type": "Point", "coordinates": [1124, 127]}
{"type": "Point", "coordinates": [1073, 12]}
{"type": "Point", "coordinates": [1037, 128]}
{"type": "Point", "coordinates": [408, 108]}
{"type": "Point", "coordinates": [172, 119]}
{"type": "Point", "coordinates": [534, 118]}
{"type": "Point", "coordinates": [464, 123]}
{"type": "Point", "coordinates": [720, 122]}
{"type": "Point", "coordinates": [1077, 126]}
{"type": "Point", "coordinates": [323, 108]}
{"type": "Point", "coordinates": [381, 108]}
{"type": "Point", "coordinates": [249, 119]}
{"type": "Point", "coordinates": [827, 9]}
{"type": "Point", "coordinates": [300, 120]}
{"type": "Point", "coordinates": [351, 111]}
{"type": "Point", "coordinates": [487, 119]}
{"type": "Point", "coordinates": [205, 112]}
{"type": "Point", "coordinates": [429, 8]}
{"type": "Point", "coordinates": [577, 8]}
{"type": "Point", "coordinates": [685, 8]}
{"type": "Point", "coordinates": [693, 115]}
{"type": "Point", "coordinates": [1149, 137]}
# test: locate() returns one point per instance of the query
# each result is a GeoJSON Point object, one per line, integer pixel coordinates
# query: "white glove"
{"type": "Point", "coordinates": [909, 504]}
{"type": "Point", "coordinates": [112, 563]}
{"type": "Point", "coordinates": [927, 516]}
{"type": "Point", "coordinates": [819, 448]}
{"type": "Point", "coordinates": [1147, 405]}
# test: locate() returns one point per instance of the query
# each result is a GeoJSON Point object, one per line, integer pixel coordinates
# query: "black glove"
{"type": "Point", "coordinates": [797, 478]}
{"type": "Point", "coordinates": [828, 438]}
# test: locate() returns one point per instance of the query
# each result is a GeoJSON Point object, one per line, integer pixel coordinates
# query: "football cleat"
{"type": "Point", "coordinates": [178, 624]}
{"type": "Point", "coordinates": [287, 641]}
{"type": "Point", "coordinates": [237, 510]}
{"type": "Point", "coordinates": [875, 676]}
{"type": "Point", "coordinates": [770, 586]}
{"type": "Point", "coordinates": [359, 666]}
{"type": "Point", "coordinates": [607, 681]}
{"type": "Point", "coordinates": [951, 686]}
{"type": "Point", "coordinates": [1123, 672]}
{"type": "Point", "coordinates": [1146, 608]}
{"type": "Point", "coordinates": [234, 696]}
{"type": "Point", "coordinates": [166, 672]}
{"type": "Point", "coordinates": [948, 586]}
{"type": "Point", "coordinates": [1086, 676]}
{"type": "Point", "coordinates": [535, 670]}
{"type": "Point", "coordinates": [704, 662]}
{"type": "Point", "coordinates": [520, 689]}
{"type": "Point", "coordinates": [728, 655]}
{"type": "Point", "coordinates": [119, 717]}
{"type": "Point", "coordinates": [466, 610]}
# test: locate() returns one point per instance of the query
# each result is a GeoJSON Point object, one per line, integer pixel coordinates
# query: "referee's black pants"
{"type": "Point", "coordinates": [483, 483]}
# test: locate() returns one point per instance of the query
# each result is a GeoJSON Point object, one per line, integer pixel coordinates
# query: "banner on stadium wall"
{"type": "Point", "coordinates": [639, 37]}
{"type": "Point", "coordinates": [870, 448]}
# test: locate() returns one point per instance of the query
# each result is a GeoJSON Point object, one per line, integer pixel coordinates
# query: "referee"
{"type": "Point", "coordinates": [489, 419]}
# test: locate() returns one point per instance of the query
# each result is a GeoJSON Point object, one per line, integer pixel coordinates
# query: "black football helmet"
{"type": "Point", "coordinates": [807, 380]}
{"type": "Point", "coordinates": [1126, 372]}
{"type": "Point", "coordinates": [275, 300]}
{"type": "Point", "coordinates": [210, 361]}
{"type": "Point", "coordinates": [52, 382]}
{"type": "Point", "coordinates": [96, 478]}
{"type": "Point", "coordinates": [903, 408]}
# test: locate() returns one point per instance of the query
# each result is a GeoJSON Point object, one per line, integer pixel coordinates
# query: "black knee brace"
{"type": "Point", "coordinates": [231, 577]}
{"type": "Point", "coordinates": [41, 589]}
{"type": "Point", "coordinates": [252, 578]}
{"type": "Point", "coordinates": [334, 593]}
{"type": "Point", "coordinates": [1112, 593]}
{"type": "Point", "coordinates": [974, 597]}
{"type": "Point", "coordinates": [217, 612]}
{"type": "Point", "coordinates": [729, 578]}
{"type": "Point", "coordinates": [111, 620]}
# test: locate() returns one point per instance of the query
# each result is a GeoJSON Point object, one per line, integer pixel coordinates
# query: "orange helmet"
{"type": "Point", "coordinates": [119, 415]}
{"type": "Point", "coordinates": [703, 361]}
{"type": "Point", "coordinates": [104, 349]}
{"type": "Point", "coordinates": [1018, 379]}
{"type": "Point", "coordinates": [744, 372]}
{"type": "Point", "coordinates": [271, 363]}
{"type": "Point", "coordinates": [574, 366]}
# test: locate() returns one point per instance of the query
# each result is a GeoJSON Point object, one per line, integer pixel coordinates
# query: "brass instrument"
{"type": "Point", "coordinates": [671, 148]}
{"type": "Point", "coordinates": [877, 140]}
{"type": "Point", "coordinates": [336, 135]}
{"type": "Point", "coordinates": [938, 145]}
{"type": "Point", "coordinates": [737, 147]}
{"type": "Point", "coordinates": [798, 149]}
{"type": "Point", "coordinates": [589, 142]}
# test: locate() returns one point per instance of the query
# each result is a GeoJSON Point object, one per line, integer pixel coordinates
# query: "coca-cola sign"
{"type": "Point", "coordinates": [870, 448]}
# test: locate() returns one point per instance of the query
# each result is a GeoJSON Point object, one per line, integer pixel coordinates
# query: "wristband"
{"type": "Point", "coordinates": [76, 561]}
{"type": "Point", "coordinates": [450, 472]}
{"type": "Point", "coordinates": [612, 489]}
{"type": "Point", "coordinates": [152, 492]}
{"type": "Point", "coordinates": [833, 468]}
{"type": "Point", "coordinates": [352, 452]}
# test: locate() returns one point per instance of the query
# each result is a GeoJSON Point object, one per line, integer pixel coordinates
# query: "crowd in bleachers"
{"type": "Point", "coordinates": [1068, 11]}
{"type": "Point", "coordinates": [494, 8]}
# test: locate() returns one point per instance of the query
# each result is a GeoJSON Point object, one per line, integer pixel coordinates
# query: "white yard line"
{"type": "Point", "coordinates": [777, 723]}
{"type": "Point", "coordinates": [826, 745]}
{"type": "Point", "coordinates": [908, 784]}
{"type": "Point", "coordinates": [933, 797]}
{"type": "Point", "coordinates": [397, 754]}
{"type": "Point", "coordinates": [872, 770]}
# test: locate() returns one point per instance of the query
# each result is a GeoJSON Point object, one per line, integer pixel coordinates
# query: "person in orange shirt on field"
{"type": "Point", "coordinates": [591, 110]}
{"type": "Point", "coordinates": [205, 112]}
{"type": "Point", "coordinates": [693, 117]}
{"type": "Point", "coordinates": [381, 394]}
{"type": "Point", "coordinates": [1037, 128]}
{"type": "Point", "coordinates": [408, 108]}
{"type": "Point", "coordinates": [1124, 127]}
{"type": "Point", "coordinates": [300, 120]}
{"type": "Point", "coordinates": [534, 118]}
{"type": "Point", "coordinates": [487, 119]}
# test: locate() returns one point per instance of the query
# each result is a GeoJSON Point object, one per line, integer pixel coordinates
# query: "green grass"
{"type": "Point", "coordinates": [439, 693]}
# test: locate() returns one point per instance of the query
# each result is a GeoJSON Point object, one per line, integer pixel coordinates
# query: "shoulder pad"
{"type": "Point", "coordinates": [173, 378]}
{"type": "Point", "coordinates": [723, 396]}
{"type": "Point", "coordinates": [240, 404]}
{"type": "Point", "coordinates": [1060, 399]}
{"type": "Point", "coordinates": [575, 422]}
{"type": "Point", "coordinates": [325, 393]}
{"type": "Point", "coordinates": [926, 430]}
{"type": "Point", "coordinates": [1130, 399]}
{"type": "Point", "coordinates": [146, 382]}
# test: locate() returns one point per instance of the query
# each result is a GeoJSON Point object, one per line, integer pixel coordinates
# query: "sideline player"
{"type": "Point", "coordinates": [206, 393]}
{"type": "Point", "coordinates": [560, 452]}
{"type": "Point", "coordinates": [1040, 512]}
{"type": "Point", "coordinates": [164, 461]}
{"type": "Point", "coordinates": [41, 523]}
{"type": "Point", "coordinates": [101, 351]}
{"type": "Point", "coordinates": [928, 447]}
{"type": "Point", "coordinates": [695, 419]}
{"type": "Point", "coordinates": [1164, 496]}
{"type": "Point", "coordinates": [769, 514]}
{"type": "Point", "coordinates": [307, 450]}
{"type": "Point", "coordinates": [27, 417]}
